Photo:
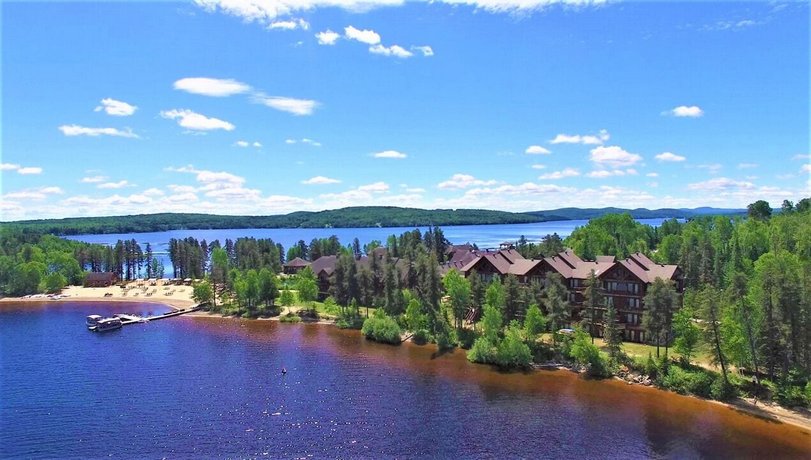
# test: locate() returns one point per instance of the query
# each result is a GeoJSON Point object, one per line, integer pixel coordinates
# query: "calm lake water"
{"type": "Point", "coordinates": [485, 236]}
{"type": "Point", "coordinates": [210, 387]}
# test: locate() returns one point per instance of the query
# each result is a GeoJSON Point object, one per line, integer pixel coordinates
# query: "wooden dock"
{"type": "Point", "coordinates": [126, 320]}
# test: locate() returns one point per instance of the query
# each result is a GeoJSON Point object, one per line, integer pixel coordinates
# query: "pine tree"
{"type": "Point", "coordinates": [612, 335]}
{"type": "Point", "coordinates": [592, 302]}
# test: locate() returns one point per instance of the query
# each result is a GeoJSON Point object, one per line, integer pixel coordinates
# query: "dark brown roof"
{"type": "Point", "coordinates": [297, 262]}
{"type": "Point", "coordinates": [325, 264]}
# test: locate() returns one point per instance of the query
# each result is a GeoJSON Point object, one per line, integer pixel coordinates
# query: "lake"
{"type": "Point", "coordinates": [485, 236]}
{"type": "Point", "coordinates": [212, 387]}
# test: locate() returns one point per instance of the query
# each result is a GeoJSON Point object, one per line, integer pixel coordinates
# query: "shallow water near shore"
{"type": "Point", "coordinates": [195, 386]}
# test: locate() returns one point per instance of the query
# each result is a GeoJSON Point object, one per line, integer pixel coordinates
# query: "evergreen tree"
{"type": "Point", "coordinates": [687, 333]}
{"type": "Point", "coordinates": [612, 334]}
{"type": "Point", "coordinates": [558, 309]}
{"type": "Point", "coordinates": [592, 303]}
{"type": "Point", "coordinates": [660, 303]}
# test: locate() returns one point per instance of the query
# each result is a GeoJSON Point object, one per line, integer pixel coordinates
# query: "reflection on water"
{"type": "Point", "coordinates": [193, 386]}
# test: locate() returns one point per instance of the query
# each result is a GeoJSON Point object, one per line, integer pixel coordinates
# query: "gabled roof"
{"type": "Point", "coordinates": [325, 264]}
{"type": "Point", "coordinates": [647, 270]}
{"type": "Point", "coordinates": [523, 266]}
{"type": "Point", "coordinates": [297, 262]}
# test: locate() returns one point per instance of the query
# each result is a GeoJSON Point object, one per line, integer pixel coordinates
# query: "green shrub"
{"type": "Point", "coordinates": [587, 354]}
{"type": "Point", "coordinates": [483, 351]}
{"type": "Point", "coordinates": [349, 320]}
{"type": "Point", "coordinates": [421, 337]}
{"type": "Point", "coordinates": [381, 328]}
{"type": "Point", "coordinates": [290, 318]}
{"type": "Point", "coordinates": [512, 352]}
{"type": "Point", "coordinates": [698, 382]}
{"type": "Point", "coordinates": [722, 390]}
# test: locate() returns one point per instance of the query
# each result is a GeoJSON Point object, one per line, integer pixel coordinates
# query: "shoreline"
{"type": "Point", "coordinates": [766, 411]}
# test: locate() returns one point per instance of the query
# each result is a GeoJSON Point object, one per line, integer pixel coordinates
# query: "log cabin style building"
{"type": "Point", "coordinates": [624, 283]}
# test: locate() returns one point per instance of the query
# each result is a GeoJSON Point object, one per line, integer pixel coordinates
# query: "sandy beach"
{"type": "Point", "coordinates": [176, 297]}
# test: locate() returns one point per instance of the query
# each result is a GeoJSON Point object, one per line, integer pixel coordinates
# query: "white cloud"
{"type": "Point", "coordinates": [692, 111]}
{"type": "Point", "coordinates": [613, 157]}
{"type": "Point", "coordinates": [670, 157]}
{"type": "Point", "coordinates": [721, 184]}
{"type": "Point", "coordinates": [747, 165]}
{"type": "Point", "coordinates": [257, 144]}
{"type": "Point", "coordinates": [520, 6]}
{"type": "Point", "coordinates": [426, 51]}
{"type": "Point", "coordinates": [195, 121]}
{"type": "Point", "coordinates": [377, 187]}
{"type": "Point", "coordinates": [153, 192]}
{"type": "Point", "coordinates": [370, 37]}
{"type": "Point", "coordinates": [287, 104]}
{"type": "Point", "coordinates": [802, 156]}
{"type": "Point", "coordinates": [208, 180]}
{"type": "Point", "coordinates": [327, 37]}
{"type": "Point", "coordinates": [320, 180]}
{"type": "Point", "coordinates": [264, 11]}
{"type": "Point", "coordinates": [652, 174]}
{"type": "Point", "coordinates": [93, 179]}
{"type": "Point", "coordinates": [303, 140]}
{"type": "Point", "coordinates": [415, 190]}
{"type": "Point", "coordinates": [116, 108]}
{"type": "Point", "coordinates": [566, 172]}
{"type": "Point", "coordinates": [114, 185]}
{"type": "Point", "coordinates": [290, 141]}
{"type": "Point", "coordinates": [33, 194]}
{"type": "Point", "coordinates": [538, 166]}
{"type": "Point", "coordinates": [806, 168]}
{"type": "Point", "coordinates": [291, 24]}
{"type": "Point", "coordinates": [24, 170]}
{"type": "Point", "coordinates": [76, 130]}
{"type": "Point", "coordinates": [536, 150]}
{"type": "Point", "coordinates": [462, 181]}
{"type": "Point", "coordinates": [603, 173]}
{"type": "Point", "coordinates": [29, 170]}
{"type": "Point", "coordinates": [393, 50]}
{"type": "Point", "coordinates": [213, 87]}
{"type": "Point", "coordinates": [578, 139]}
{"type": "Point", "coordinates": [182, 188]}
{"type": "Point", "coordinates": [242, 144]}
{"type": "Point", "coordinates": [390, 154]}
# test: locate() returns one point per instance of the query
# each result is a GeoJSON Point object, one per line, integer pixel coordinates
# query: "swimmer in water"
{"type": "Point", "coordinates": [284, 371]}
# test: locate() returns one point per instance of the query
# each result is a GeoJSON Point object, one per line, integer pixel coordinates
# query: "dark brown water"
{"type": "Point", "coordinates": [190, 387]}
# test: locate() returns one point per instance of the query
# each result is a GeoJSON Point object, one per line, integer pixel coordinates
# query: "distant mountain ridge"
{"type": "Point", "coordinates": [359, 216]}
{"type": "Point", "coordinates": [638, 213]}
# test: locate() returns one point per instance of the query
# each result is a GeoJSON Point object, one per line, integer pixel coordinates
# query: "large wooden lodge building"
{"type": "Point", "coordinates": [624, 283]}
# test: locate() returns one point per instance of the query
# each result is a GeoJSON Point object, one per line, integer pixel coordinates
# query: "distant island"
{"type": "Point", "coordinates": [351, 217]}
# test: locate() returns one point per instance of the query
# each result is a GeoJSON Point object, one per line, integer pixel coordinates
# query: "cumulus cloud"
{"type": "Point", "coordinates": [242, 144]}
{"type": "Point", "coordinates": [393, 50]}
{"type": "Point", "coordinates": [520, 6]}
{"type": "Point", "coordinates": [76, 130]}
{"type": "Point", "coordinates": [213, 87]}
{"type": "Point", "coordinates": [692, 111]}
{"type": "Point", "coordinates": [33, 194]}
{"type": "Point", "coordinates": [462, 181]}
{"type": "Point", "coordinates": [669, 157]}
{"type": "Point", "coordinates": [590, 139]}
{"type": "Point", "coordinates": [603, 173]}
{"type": "Point", "coordinates": [390, 154]}
{"type": "Point", "coordinates": [538, 166]}
{"type": "Point", "coordinates": [303, 140]}
{"type": "Point", "coordinates": [195, 121]}
{"type": "Point", "coordinates": [370, 37]}
{"type": "Point", "coordinates": [802, 156]}
{"type": "Point", "coordinates": [426, 51]}
{"type": "Point", "coordinates": [114, 185]}
{"type": "Point", "coordinates": [264, 11]}
{"type": "Point", "coordinates": [713, 168]}
{"type": "Point", "coordinates": [257, 144]}
{"type": "Point", "coordinates": [613, 157]}
{"type": "Point", "coordinates": [806, 168]}
{"type": "Point", "coordinates": [93, 179]}
{"type": "Point", "coordinates": [320, 180]}
{"type": "Point", "coordinates": [297, 107]}
{"type": "Point", "coordinates": [652, 174]}
{"type": "Point", "coordinates": [566, 172]}
{"type": "Point", "coordinates": [747, 165]}
{"type": "Point", "coordinates": [327, 37]}
{"type": "Point", "coordinates": [24, 170]}
{"type": "Point", "coordinates": [377, 187]}
{"type": "Point", "coordinates": [115, 108]}
{"type": "Point", "coordinates": [291, 24]}
{"type": "Point", "coordinates": [536, 150]}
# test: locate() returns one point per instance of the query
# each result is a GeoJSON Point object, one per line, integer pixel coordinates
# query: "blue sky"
{"type": "Point", "coordinates": [268, 107]}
